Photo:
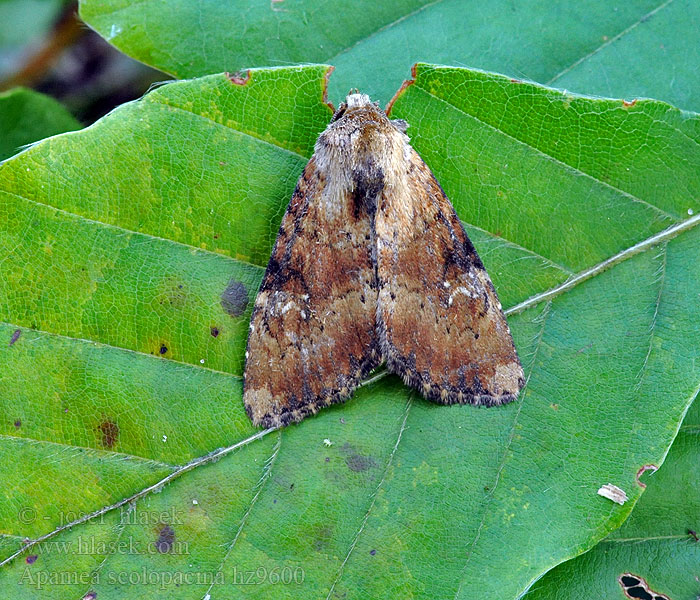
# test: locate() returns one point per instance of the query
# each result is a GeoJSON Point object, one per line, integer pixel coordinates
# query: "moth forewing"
{"type": "Point", "coordinates": [372, 264]}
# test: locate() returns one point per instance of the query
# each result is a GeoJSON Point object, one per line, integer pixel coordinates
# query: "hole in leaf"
{"type": "Point", "coordinates": [636, 587]}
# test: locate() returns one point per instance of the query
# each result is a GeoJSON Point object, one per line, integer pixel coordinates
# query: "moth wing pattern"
{"type": "Point", "coordinates": [312, 335]}
{"type": "Point", "coordinates": [441, 325]}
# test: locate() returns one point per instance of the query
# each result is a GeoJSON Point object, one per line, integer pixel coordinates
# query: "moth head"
{"type": "Point", "coordinates": [356, 109]}
{"type": "Point", "coordinates": [360, 123]}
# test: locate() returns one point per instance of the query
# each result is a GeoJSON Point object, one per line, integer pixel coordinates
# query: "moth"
{"type": "Point", "coordinates": [372, 265]}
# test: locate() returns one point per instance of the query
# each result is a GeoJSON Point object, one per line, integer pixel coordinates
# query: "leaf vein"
{"type": "Point", "coordinates": [610, 41]}
{"type": "Point", "coordinates": [267, 471]}
{"type": "Point", "coordinates": [108, 453]}
{"type": "Point", "coordinates": [193, 464]}
{"type": "Point", "coordinates": [575, 170]}
{"type": "Point", "coordinates": [662, 236]}
{"type": "Point", "coordinates": [363, 523]}
{"type": "Point", "coordinates": [511, 437]}
{"type": "Point", "coordinates": [132, 232]}
{"type": "Point", "coordinates": [257, 138]}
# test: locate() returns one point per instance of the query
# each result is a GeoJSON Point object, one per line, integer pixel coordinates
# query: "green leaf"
{"type": "Point", "coordinates": [131, 254]}
{"type": "Point", "coordinates": [656, 543]}
{"type": "Point", "coordinates": [645, 48]}
{"type": "Point", "coordinates": [26, 116]}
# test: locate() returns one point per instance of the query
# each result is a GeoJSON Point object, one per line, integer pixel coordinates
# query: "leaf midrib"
{"type": "Point", "coordinates": [553, 292]}
{"type": "Point", "coordinates": [193, 464]}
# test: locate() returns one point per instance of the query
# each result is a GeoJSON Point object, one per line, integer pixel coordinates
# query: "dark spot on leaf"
{"type": "Point", "coordinates": [628, 581]}
{"type": "Point", "coordinates": [373, 552]}
{"type": "Point", "coordinates": [15, 336]}
{"type": "Point", "coordinates": [215, 332]}
{"type": "Point", "coordinates": [31, 559]}
{"type": "Point", "coordinates": [359, 462]}
{"type": "Point", "coordinates": [322, 536]}
{"type": "Point", "coordinates": [291, 487]}
{"type": "Point", "coordinates": [356, 461]}
{"type": "Point", "coordinates": [328, 459]}
{"type": "Point", "coordinates": [110, 433]}
{"type": "Point", "coordinates": [692, 533]}
{"type": "Point", "coordinates": [163, 349]}
{"type": "Point", "coordinates": [18, 423]}
{"type": "Point", "coordinates": [234, 299]}
{"type": "Point", "coordinates": [166, 539]}
{"type": "Point", "coordinates": [274, 501]}
{"type": "Point", "coordinates": [90, 596]}
{"type": "Point", "coordinates": [342, 420]}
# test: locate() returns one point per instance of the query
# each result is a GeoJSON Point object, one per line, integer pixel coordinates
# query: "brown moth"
{"type": "Point", "coordinates": [372, 265]}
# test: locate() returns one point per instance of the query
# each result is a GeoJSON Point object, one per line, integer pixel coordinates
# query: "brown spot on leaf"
{"type": "Point", "coordinates": [31, 559]}
{"type": "Point", "coordinates": [642, 470]}
{"type": "Point", "coordinates": [110, 433]}
{"type": "Point", "coordinates": [326, 77]}
{"type": "Point", "coordinates": [629, 104]}
{"type": "Point", "coordinates": [214, 332]}
{"type": "Point", "coordinates": [360, 462]}
{"type": "Point", "coordinates": [322, 537]}
{"type": "Point", "coordinates": [239, 78]}
{"type": "Point", "coordinates": [234, 299]}
{"type": "Point", "coordinates": [355, 461]}
{"type": "Point", "coordinates": [15, 336]}
{"type": "Point", "coordinates": [166, 539]}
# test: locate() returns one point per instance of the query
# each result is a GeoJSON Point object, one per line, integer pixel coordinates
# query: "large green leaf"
{"type": "Point", "coordinates": [644, 48]}
{"type": "Point", "coordinates": [132, 251]}
{"type": "Point", "coordinates": [26, 116]}
{"type": "Point", "coordinates": [657, 543]}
